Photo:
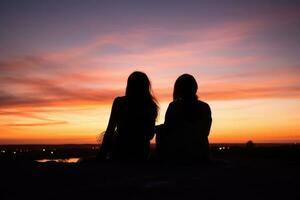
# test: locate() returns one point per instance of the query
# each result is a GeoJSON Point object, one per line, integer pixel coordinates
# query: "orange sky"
{"type": "Point", "coordinates": [60, 69]}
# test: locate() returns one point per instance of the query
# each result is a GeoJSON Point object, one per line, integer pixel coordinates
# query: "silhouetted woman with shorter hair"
{"type": "Point", "coordinates": [132, 122]}
{"type": "Point", "coordinates": [184, 134]}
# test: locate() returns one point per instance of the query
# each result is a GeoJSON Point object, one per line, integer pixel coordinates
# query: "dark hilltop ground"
{"type": "Point", "coordinates": [237, 172]}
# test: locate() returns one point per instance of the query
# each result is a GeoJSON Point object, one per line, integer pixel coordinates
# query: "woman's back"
{"type": "Point", "coordinates": [187, 125]}
{"type": "Point", "coordinates": [187, 111]}
{"type": "Point", "coordinates": [135, 126]}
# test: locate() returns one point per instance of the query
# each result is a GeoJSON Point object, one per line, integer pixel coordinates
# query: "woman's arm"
{"type": "Point", "coordinates": [208, 120]}
{"type": "Point", "coordinates": [151, 129]}
{"type": "Point", "coordinates": [203, 124]}
{"type": "Point", "coordinates": [169, 116]}
{"type": "Point", "coordinates": [113, 118]}
{"type": "Point", "coordinates": [107, 141]}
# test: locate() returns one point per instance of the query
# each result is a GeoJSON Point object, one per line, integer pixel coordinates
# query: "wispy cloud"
{"type": "Point", "coordinates": [37, 124]}
{"type": "Point", "coordinates": [247, 51]}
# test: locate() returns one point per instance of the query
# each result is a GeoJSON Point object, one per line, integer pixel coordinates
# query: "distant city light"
{"type": "Point", "coordinates": [51, 152]}
{"type": "Point", "coordinates": [2, 151]}
{"type": "Point", "coordinates": [14, 152]}
{"type": "Point", "coordinates": [223, 148]}
{"type": "Point", "coordinates": [44, 149]}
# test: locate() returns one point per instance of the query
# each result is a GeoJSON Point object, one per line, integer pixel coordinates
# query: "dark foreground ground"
{"type": "Point", "coordinates": [259, 173]}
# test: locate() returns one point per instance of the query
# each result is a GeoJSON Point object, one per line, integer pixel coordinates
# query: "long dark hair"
{"type": "Point", "coordinates": [139, 89]}
{"type": "Point", "coordinates": [185, 88]}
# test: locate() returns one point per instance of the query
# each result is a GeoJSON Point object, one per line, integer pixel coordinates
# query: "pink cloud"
{"type": "Point", "coordinates": [38, 124]}
{"type": "Point", "coordinates": [80, 75]}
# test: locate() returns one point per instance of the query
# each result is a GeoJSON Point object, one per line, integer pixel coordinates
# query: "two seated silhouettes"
{"type": "Point", "coordinates": [131, 126]}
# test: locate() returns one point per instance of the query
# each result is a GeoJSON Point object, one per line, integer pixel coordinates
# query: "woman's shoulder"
{"type": "Point", "coordinates": [203, 105]}
{"type": "Point", "coordinates": [119, 100]}
{"type": "Point", "coordinates": [173, 103]}
{"type": "Point", "coordinates": [197, 102]}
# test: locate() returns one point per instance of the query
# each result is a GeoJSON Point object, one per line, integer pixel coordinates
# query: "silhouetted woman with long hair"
{"type": "Point", "coordinates": [132, 121]}
{"type": "Point", "coordinates": [184, 134]}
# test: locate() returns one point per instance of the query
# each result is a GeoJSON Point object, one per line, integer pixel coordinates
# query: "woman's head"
{"type": "Point", "coordinates": [139, 88]}
{"type": "Point", "coordinates": [138, 85]}
{"type": "Point", "coordinates": [185, 87]}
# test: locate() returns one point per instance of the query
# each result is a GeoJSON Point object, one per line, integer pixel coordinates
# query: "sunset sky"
{"type": "Point", "coordinates": [63, 62]}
